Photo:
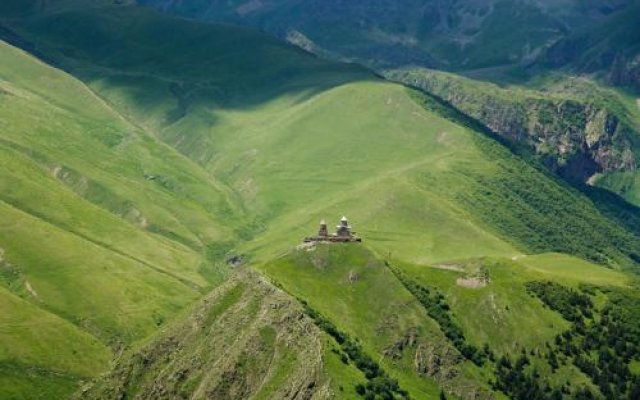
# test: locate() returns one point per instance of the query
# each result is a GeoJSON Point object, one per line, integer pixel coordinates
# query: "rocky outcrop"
{"type": "Point", "coordinates": [576, 139]}
{"type": "Point", "coordinates": [440, 361]}
{"type": "Point", "coordinates": [246, 339]}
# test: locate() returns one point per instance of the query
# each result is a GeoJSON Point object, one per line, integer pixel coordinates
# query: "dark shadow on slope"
{"type": "Point", "coordinates": [174, 59]}
{"type": "Point", "coordinates": [616, 208]}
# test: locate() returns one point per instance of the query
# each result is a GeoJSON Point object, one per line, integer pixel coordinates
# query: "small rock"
{"type": "Point", "coordinates": [235, 261]}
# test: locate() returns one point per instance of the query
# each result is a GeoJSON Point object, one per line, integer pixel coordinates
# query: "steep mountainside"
{"type": "Point", "coordinates": [168, 147]}
{"type": "Point", "coordinates": [579, 129]}
{"type": "Point", "coordinates": [611, 48]}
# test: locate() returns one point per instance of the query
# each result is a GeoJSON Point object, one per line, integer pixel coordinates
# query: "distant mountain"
{"type": "Point", "coordinates": [611, 47]}
{"type": "Point", "coordinates": [452, 35]}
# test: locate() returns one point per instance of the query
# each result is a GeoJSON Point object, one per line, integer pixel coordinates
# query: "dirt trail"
{"type": "Point", "coordinates": [450, 267]}
{"type": "Point", "coordinates": [30, 289]}
{"type": "Point", "coordinates": [472, 283]}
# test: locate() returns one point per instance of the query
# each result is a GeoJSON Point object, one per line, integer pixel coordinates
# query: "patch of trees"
{"type": "Point", "coordinates": [434, 303]}
{"type": "Point", "coordinates": [570, 303]}
{"type": "Point", "coordinates": [514, 380]}
{"type": "Point", "coordinates": [603, 349]}
{"type": "Point", "coordinates": [379, 385]}
{"type": "Point", "coordinates": [601, 346]}
{"type": "Point", "coordinates": [521, 381]}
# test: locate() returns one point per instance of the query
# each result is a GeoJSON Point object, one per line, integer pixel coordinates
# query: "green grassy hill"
{"type": "Point", "coordinates": [96, 245]}
{"type": "Point", "coordinates": [291, 138]}
{"type": "Point", "coordinates": [379, 304]}
{"type": "Point", "coordinates": [349, 286]}
{"type": "Point", "coordinates": [168, 146]}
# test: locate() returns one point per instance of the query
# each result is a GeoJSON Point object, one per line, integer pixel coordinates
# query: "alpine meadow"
{"type": "Point", "coordinates": [473, 165]}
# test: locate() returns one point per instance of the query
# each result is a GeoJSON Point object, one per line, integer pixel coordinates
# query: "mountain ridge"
{"type": "Point", "coordinates": [436, 34]}
{"type": "Point", "coordinates": [584, 133]}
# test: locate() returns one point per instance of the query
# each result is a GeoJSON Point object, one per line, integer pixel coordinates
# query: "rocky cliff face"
{"type": "Point", "coordinates": [575, 138]}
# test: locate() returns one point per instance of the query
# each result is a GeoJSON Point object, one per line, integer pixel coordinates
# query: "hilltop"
{"type": "Point", "coordinates": [367, 326]}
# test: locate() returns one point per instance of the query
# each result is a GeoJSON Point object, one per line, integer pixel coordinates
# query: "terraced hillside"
{"type": "Point", "coordinates": [169, 146]}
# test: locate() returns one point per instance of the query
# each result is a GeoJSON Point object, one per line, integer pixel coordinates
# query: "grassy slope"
{"type": "Point", "coordinates": [350, 286]}
{"type": "Point", "coordinates": [41, 101]}
{"type": "Point", "coordinates": [274, 140]}
{"type": "Point", "coordinates": [355, 166]}
{"type": "Point", "coordinates": [570, 271]}
{"type": "Point", "coordinates": [502, 313]}
{"type": "Point", "coordinates": [41, 353]}
{"type": "Point", "coordinates": [79, 247]}
{"type": "Point", "coordinates": [284, 139]}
